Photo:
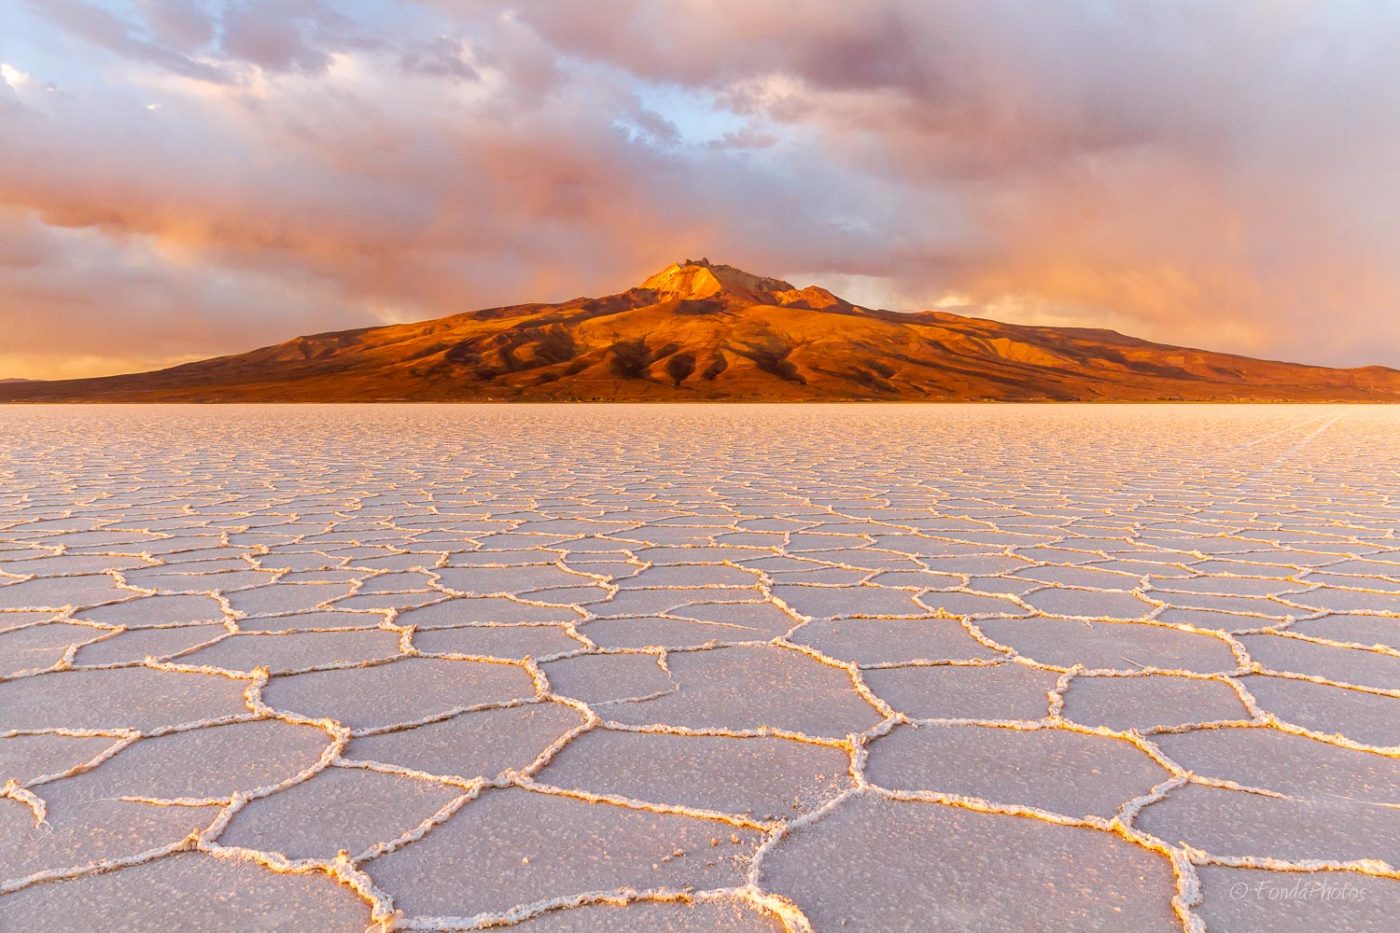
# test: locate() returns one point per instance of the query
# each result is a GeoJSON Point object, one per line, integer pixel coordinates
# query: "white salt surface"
{"type": "Point", "coordinates": [724, 667]}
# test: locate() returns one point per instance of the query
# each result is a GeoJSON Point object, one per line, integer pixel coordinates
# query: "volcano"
{"type": "Point", "coordinates": [702, 331]}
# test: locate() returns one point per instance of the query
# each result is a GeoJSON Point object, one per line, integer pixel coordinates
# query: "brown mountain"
{"type": "Point", "coordinates": [698, 331]}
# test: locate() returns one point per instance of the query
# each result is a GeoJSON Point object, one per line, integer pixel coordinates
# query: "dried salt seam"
{"type": "Point", "coordinates": [451, 713]}
{"type": "Point", "coordinates": [99, 866]}
{"type": "Point", "coordinates": [630, 803]}
{"type": "Point", "coordinates": [1316, 679]}
{"type": "Point", "coordinates": [1041, 534]}
{"type": "Point", "coordinates": [28, 798]}
{"type": "Point", "coordinates": [779, 908]}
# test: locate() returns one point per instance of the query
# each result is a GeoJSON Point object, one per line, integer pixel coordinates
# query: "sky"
{"type": "Point", "coordinates": [187, 178]}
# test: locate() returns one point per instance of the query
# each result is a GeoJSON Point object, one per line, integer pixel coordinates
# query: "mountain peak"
{"type": "Point", "coordinates": [700, 278]}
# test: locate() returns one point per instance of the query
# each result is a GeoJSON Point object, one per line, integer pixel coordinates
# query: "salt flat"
{"type": "Point", "coordinates": [694, 668]}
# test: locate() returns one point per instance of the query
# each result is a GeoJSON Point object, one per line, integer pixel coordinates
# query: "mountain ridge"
{"type": "Point", "coordinates": [698, 330]}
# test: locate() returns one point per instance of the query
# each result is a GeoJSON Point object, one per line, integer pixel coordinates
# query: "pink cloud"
{"type": "Point", "coordinates": [1219, 175]}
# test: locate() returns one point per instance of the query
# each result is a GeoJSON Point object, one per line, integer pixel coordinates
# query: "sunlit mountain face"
{"type": "Point", "coordinates": [699, 330]}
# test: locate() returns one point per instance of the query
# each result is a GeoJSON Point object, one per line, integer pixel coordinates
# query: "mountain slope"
{"type": "Point", "coordinates": [699, 330]}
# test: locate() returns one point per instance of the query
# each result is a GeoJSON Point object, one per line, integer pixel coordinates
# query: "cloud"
{"type": "Point", "coordinates": [442, 56]}
{"type": "Point", "coordinates": [184, 25]}
{"type": "Point", "coordinates": [77, 301]}
{"type": "Point", "coordinates": [102, 27]}
{"type": "Point", "coordinates": [290, 35]}
{"type": "Point", "coordinates": [13, 77]}
{"type": "Point", "coordinates": [1225, 175]}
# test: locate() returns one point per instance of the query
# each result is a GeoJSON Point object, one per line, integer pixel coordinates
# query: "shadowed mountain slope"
{"type": "Point", "coordinates": [698, 331]}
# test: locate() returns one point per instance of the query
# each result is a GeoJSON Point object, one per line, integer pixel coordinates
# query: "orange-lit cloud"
{"type": "Point", "coordinates": [180, 179]}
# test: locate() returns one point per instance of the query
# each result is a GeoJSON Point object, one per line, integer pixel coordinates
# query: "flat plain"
{"type": "Point", "coordinates": [730, 667]}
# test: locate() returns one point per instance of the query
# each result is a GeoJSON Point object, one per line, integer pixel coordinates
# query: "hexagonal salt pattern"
{"type": "Point", "coordinates": [699, 668]}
